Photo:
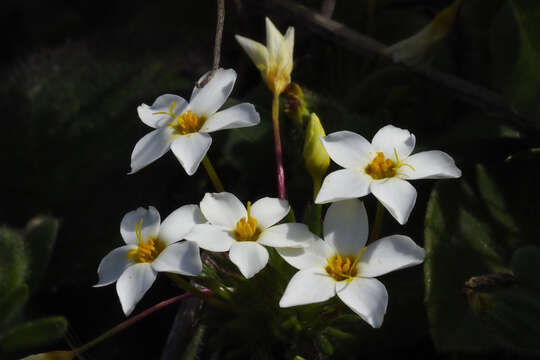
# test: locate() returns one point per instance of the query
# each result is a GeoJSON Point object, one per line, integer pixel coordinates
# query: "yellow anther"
{"type": "Point", "coordinates": [382, 168]}
{"type": "Point", "coordinates": [187, 123]}
{"type": "Point", "coordinates": [247, 229]}
{"type": "Point", "coordinates": [146, 251]}
{"type": "Point", "coordinates": [343, 267]}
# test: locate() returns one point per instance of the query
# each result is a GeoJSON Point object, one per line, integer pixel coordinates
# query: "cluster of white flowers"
{"type": "Point", "coordinates": [340, 264]}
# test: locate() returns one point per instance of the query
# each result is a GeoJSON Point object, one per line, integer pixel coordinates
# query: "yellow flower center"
{"type": "Point", "coordinates": [148, 251]}
{"type": "Point", "coordinates": [382, 168]}
{"type": "Point", "coordinates": [343, 267]}
{"type": "Point", "coordinates": [247, 229]}
{"type": "Point", "coordinates": [185, 123]}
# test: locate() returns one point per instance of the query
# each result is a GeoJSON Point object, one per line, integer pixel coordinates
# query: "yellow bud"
{"type": "Point", "coordinates": [53, 355]}
{"type": "Point", "coordinates": [413, 50]}
{"type": "Point", "coordinates": [315, 156]}
{"type": "Point", "coordinates": [295, 107]}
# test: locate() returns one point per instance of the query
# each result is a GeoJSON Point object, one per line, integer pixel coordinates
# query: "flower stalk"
{"type": "Point", "coordinates": [218, 185]}
{"type": "Point", "coordinates": [280, 173]}
{"type": "Point", "coordinates": [377, 225]}
{"type": "Point", "coordinates": [132, 320]}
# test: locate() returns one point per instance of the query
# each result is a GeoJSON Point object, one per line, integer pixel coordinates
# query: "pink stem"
{"type": "Point", "coordinates": [277, 147]}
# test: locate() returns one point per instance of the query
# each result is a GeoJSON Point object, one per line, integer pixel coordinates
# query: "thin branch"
{"type": "Point", "coordinates": [217, 42]}
{"type": "Point", "coordinates": [327, 8]}
{"type": "Point", "coordinates": [466, 91]}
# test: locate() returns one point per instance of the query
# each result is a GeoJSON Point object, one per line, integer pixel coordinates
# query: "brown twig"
{"type": "Point", "coordinates": [327, 8]}
{"type": "Point", "coordinates": [217, 42]}
{"type": "Point", "coordinates": [466, 91]}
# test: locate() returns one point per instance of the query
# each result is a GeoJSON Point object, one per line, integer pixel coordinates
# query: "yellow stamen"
{"type": "Point", "coordinates": [343, 267]}
{"type": "Point", "coordinates": [247, 230]}
{"type": "Point", "coordinates": [382, 168]}
{"type": "Point", "coordinates": [187, 123]}
{"type": "Point", "coordinates": [148, 251]}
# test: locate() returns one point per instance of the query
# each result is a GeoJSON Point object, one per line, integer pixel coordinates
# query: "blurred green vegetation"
{"type": "Point", "coordinates": [71, 82]}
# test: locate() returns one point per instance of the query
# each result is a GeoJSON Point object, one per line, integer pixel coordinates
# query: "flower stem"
{"type": "Point", "coordinates": [218, 185]}
{"type": "Point", "coordinates": [203, 294]}
{"type": "Point", "coordinates": [132, 320]}
{"type": "Point", "coordinates": [277, 147]}
{"type": "Point", "coordinates": [375, 233]}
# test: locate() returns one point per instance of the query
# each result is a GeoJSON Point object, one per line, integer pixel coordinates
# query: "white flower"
{"type": "Point", "coordinates": [275, 60]}
{"type": "Point", "coordinates": [184, 127]}
{"type": "Point", "coordinates": [341, 264]}
{"type": "Point", "coordinates": [243, 232]}
{"type": "Point", "coordinates": [150, 247]}
{"type": "Point", "coordinates": [381, 167]}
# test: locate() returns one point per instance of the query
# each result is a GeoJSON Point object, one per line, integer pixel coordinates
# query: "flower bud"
{"type": "Point", "coordinates": [315, 156]}
{"type": "Point", "coordinates": [413, 50]}
{"type": "Point", "coordinates": [295, 107]}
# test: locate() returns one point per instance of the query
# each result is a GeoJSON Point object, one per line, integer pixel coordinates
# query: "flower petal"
{"type": "Point", "coordinates": [213, 95]}
{"type": "Point", "coordinates": [256, 51]}
{"type": "Point", "coordinates": [348, 149]}
{"type": "Point", "coordinates": [346, 226]}
{"type": "Point", "coordinates": [113, 265]}
{"type": "Point", "coordinates": [179, 223]}
{"type": "Point", "coordinates": [190, 149]}
{"type": "Point", "coordinates": [368, 298]}
{"type": "Point", "coordinates": [430, 165]}
{"type": "Point", "coordinates": [391, 139]}
{"type": "Point", "coordinates": [211, 237]}
{"type": "Point", "coordinates": [269, 211]}
{"type": "Point", "coordinates": [273, 39]}
{"type": "Point", "coordinates": [285, 57]}
{"type": "Point", "coordinates": [150, 224]}
{"type": "Point", "coordinates": [180, 258]}
{"type": "Point", "coordinates": [287, 235]}
{"type": "Point", "coordinates": [223, 209]}
{"type": "Point", "coordinates": [150, 147]}
{"type": "Point", "coordinates": [397, 196]}
{"type": "Point", "coordinates": [343, 184]}
{"type": "Point", "coordinates": [389, 254]}
{"type": "Point", "coordinates": [133, 284]}
{"type": "Point", "coordinates": [308, 286]}
{"type": "Point", "coordinates": [313, 256]}
{"type": "Point", "coordinates": [250, 257]}
{"type": "Point", "coordinates": [238, 116]}
{"type": "Point", "coordinates": [161, 105]}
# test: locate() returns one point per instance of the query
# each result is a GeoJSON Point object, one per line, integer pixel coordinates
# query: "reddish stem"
{"type": "Point", "coordinates": [277, 147]}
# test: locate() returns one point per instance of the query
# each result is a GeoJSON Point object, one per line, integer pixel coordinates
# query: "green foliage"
{"type": "Point", "coordinates": [23, 259]}
{"type": "Point", "coordinates": [33, 333]}
{"type": "Point", "coordinates": [13, 262]}
{"type": "Point", "coordinates": [40, 236]}
{"type": "Point", "coordinates": [526, 265]}
{"type": "Point", "coordinates": [473, 228]}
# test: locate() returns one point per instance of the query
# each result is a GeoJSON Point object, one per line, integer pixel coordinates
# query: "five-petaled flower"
{"type": "Point", "coordinates": [341, 264]}
{"type": "Point", "coordinates": [184, 127]}
{"type": "Point", "coordinates": [381, 167]}
{"type": "Point", "coordinates": [243, 232]}
{"type": "Point", "coordinates": [275, 60]}
{"type": "Point", "coordinates": [151, 247]}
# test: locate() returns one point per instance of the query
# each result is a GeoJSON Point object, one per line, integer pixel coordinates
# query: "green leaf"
{"type": "Point", "coordinates": [39, 236]}
{"type": "Point", "coordinates": [11, 303]}
{"type": "Point", "coordinates": [34, 333]}
{"type": "Point", "coordinates": [472, 227]}
{"type": "Point", "coordinates": [526, 265]}
{"type": "Point", "coordinates": [13, 261]}
{"type": "Point", "coordinates": [508, 313]}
